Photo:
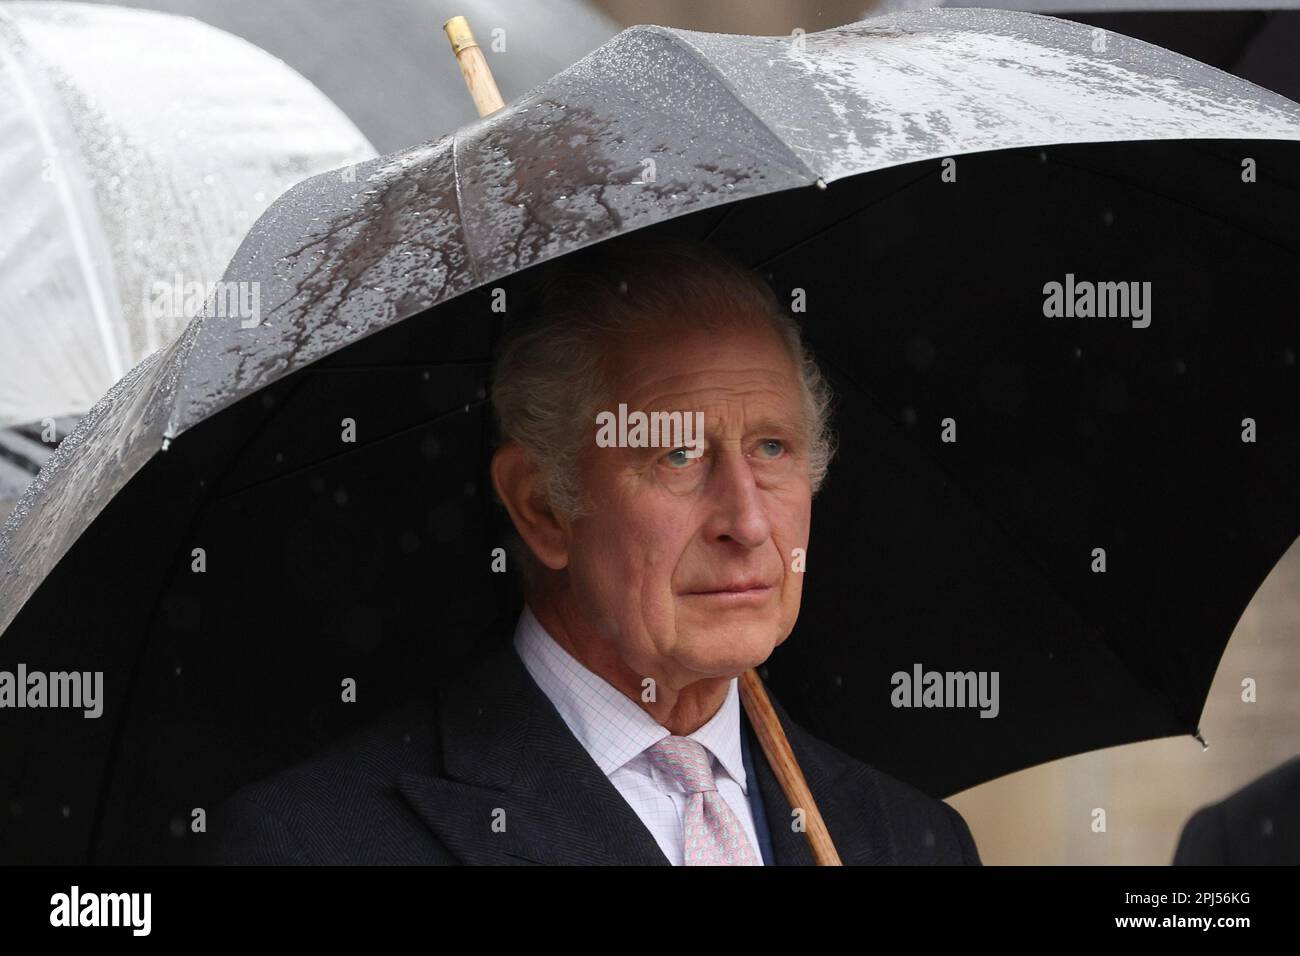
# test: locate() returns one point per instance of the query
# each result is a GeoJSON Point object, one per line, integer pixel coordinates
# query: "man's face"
{"type": "Point", "coordinates": [685, 562]}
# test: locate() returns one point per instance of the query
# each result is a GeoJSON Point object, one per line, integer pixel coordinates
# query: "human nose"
{"type": "Point", "coordinates": [737, 510]}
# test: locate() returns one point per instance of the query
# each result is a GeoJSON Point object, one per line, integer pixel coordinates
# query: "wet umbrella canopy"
{"type": "Point", "coordinates": [209, 540]}
{"type": "Point", "coordinates": [135, 147]}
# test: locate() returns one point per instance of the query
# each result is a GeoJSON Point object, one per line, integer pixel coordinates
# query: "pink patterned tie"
{"type": "Point", "coordinates": [714, 836]}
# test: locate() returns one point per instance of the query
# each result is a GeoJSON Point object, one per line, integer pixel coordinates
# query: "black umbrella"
{"type": "Point", "coordinates": [1256, 41]}
{"type": "Point", "coordinates": [210, 541]}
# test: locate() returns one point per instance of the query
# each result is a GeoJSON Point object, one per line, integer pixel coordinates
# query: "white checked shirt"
{"type": "Point", "coordinates": [616, 732]}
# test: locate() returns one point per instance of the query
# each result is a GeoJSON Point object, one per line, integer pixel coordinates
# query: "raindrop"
{"type": "Point", "coordinates": [341, 497]}
{"type": "Point", "coordinates": [1180, 366]}
{"type": "Point", "coordinates": [1108, 217]}
{"type": "Point", "coordinates": [908, 415]}
{"type": "Point", "coordinates": [67, 811]}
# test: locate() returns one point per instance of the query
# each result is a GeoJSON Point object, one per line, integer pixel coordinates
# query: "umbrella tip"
{"type": "Point", "coordinates": [1204, 745]}
{"type": "Point", "coordinates": [166, 443]}
{"type": "Point", "coordinates": [473, 66]}
{"type": "Point", "coordinates": [821, 183]}
{"type": "Point", "coordinates": [459, 33]}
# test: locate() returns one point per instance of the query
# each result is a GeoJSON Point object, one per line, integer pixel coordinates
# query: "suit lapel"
{"type": "Point", "coordinates": [517, 786]}
{"type": "Point", "coordinates": [847, 802]}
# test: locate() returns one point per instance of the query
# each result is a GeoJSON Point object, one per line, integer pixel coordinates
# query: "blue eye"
{"type": "Point", "coordinates": [775, 446]}
{"type": "Point", "coordinates": [678, 458]}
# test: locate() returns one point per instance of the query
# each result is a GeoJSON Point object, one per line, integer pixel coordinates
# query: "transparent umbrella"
{"type": "Point", "coordinates": [136, 150]}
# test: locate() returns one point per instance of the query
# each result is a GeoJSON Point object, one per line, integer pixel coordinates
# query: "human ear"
{"type": "Point", "coordinates": [516, 479]}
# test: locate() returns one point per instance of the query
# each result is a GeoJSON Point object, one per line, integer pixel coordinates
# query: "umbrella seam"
{"type": "Point", "coordinates": [721, 80]}
{"type": "Point", "coordinates": [475, 273]}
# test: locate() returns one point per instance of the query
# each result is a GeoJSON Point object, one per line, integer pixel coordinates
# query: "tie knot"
{"type": "Point", "coordinates": [687, 761]}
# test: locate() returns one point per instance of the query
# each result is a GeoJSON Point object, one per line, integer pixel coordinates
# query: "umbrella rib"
{"type": "Point", "coordinates": [726, 214]}
{"type": "Point", "coordinates": [460, 210]}
{"type": "Point", "coordinates": [1144, 186]}
{"type": "Point", "coordinates": [366, 446]}
{"type": "Point", "coordinates": [77, 230]}
{"type": "Point", "coordinates": [115, 744]}
{"type": "Point", "coordinates": [1265, 22]}
{"type": "Point", "coordinates": [843, 219]}
{"type": "Point", "coordinates": [721, 79]}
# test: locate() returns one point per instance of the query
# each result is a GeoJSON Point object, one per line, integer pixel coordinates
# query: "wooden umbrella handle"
{"type": "Point", "coordinates": [473, 66]}
{"type": "Point", "coordinates": [771, 736]}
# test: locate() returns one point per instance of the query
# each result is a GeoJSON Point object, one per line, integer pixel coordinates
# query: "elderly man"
{"type": "Point", "coordinates": [657, 567]}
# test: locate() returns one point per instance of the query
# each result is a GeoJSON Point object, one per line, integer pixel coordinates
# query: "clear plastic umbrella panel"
{"type": "Point", "coordinates": [136, 151]}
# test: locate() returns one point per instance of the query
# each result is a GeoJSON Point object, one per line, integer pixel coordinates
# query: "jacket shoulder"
{"type": "Point", "coordinates": [918, 828]}
{"type": "Point", "coordinates": [339, 805]}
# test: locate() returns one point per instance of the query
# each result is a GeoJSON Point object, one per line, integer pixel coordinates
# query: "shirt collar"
{"type": "Point", "coordinates": [610, 726]}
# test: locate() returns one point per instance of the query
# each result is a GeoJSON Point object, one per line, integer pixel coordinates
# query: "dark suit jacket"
{"type": "Point", "coordinates": [1257, 825]}
{"type": "Point", "coordinates": [425, 784]}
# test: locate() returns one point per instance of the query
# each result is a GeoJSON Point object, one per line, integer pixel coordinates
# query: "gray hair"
{"type": "Point", "coordinates": [550, 376]}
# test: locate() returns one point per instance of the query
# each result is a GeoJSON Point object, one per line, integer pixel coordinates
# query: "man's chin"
{"type": "Point", "coordinates": [726, 651]}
